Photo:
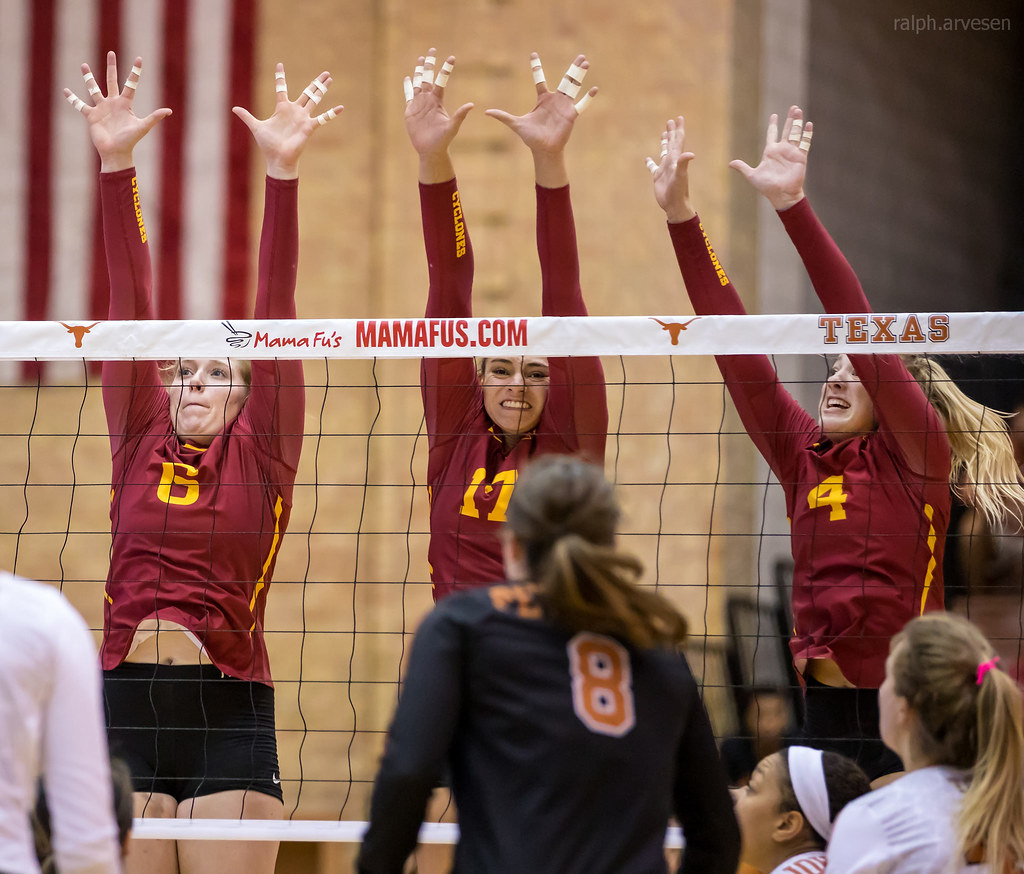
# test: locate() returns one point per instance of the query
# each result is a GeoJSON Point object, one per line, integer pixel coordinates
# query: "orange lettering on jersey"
{"type": "Point", "coordinates": [602, 684]}
{"type": "Point", "coordinates": [138, 209]}
{"type": "Point", "coordinates": [719, 270]}
{"type": "Point", "coordinates": [460, 226]}
{"type": "Point", "coordinates": [522, 599]}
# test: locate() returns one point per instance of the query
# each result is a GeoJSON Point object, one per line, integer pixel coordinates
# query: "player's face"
{"type": "Point", "coordinates": [757, 811]}
{"type": "Point", "coordinates": [892, 708]}
{"type": "Point", "coordinates": [206, 395]}
{"type": "Point", "coordinates": [515, 391]}
{"type": "Point", "coordinates": [845, 409]}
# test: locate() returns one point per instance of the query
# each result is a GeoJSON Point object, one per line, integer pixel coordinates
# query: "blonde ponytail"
{"type": "Point", "coordinates": [984, 473]}
{"type": "Point", "coordinates": [970, 716]}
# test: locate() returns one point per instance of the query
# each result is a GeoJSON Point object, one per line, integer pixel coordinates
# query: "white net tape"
{"type": "Point", "coordinates": [940, 333]}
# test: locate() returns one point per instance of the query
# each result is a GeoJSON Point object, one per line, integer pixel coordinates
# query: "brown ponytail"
{"type": "Point", "coordinates": [967, 724]}
{"type": "Point", "coordinates": [564, 514]}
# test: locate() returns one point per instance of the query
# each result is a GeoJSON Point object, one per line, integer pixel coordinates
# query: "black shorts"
{"type": "Point", "coordinates": [845, 721]}
{"type": "Point", "coordinates": [188, 731]}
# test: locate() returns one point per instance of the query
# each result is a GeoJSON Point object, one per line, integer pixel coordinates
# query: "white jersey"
{"type": "Point", "coordinates": [805, 863]}
{"type": "Point", "coordinates": [907, 827]}
{"type": "Point", "coordinates": [51, 721]}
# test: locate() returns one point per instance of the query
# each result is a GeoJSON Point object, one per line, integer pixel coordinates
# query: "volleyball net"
{"type": "Point", "coordinates": [352, 581]}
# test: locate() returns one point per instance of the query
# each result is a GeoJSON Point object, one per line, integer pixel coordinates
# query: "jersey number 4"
{"type": "Point", "coordinates": [602, 684]}
{"type": "Point", "coordinates": [829, 493]}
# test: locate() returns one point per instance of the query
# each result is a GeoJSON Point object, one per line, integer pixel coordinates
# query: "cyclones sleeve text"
{"type": "Point", "coordinates": [431, 333]}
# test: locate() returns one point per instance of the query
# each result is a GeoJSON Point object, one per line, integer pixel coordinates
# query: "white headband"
{"type": "Point", "coordinates": [807, 774]}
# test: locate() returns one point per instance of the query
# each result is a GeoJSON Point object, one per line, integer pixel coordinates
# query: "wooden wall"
{"type": "Point", "coordinates": [354, 558]}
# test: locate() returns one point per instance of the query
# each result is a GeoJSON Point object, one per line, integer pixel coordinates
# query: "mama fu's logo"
{"type": "Point", "coordinates": [237, 339]}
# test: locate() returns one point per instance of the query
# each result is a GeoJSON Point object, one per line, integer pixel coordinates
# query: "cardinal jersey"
{"type": "Point", "coordinates": [470, 473]}
{"type": "Point", "coordinates": [196, 531]}
{"type": "Point", "coordinates": [868, 516]}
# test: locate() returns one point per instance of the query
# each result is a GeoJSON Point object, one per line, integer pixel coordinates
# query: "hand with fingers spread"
{"type": "Point", "coordinates": [780, 175]}
{"type": "Point", "coordinates": [113, 125]}
{"type": "Point", "coordinates": [282, 137]}
{"type": "Point", "coordinates": [431, 129]}
{"type": "Point", "coordinates": [671, 173]}
{"type": "Point", "coordinates": [546, 128]}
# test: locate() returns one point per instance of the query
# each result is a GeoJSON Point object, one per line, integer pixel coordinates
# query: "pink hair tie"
{"type": "Point", "coordinates": [985, 667]}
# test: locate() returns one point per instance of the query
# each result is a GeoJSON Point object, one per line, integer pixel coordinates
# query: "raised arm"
{"type": "Point", "coordinates": [578, 404]}
{"type": "Point", "coordinates": [772, 418]}
{"type": "Point", "coordinates": [449, 385]}
{"type": "Point", "coordinates": [900, 405]}
{"type": "Point", "coordinates": [276, 403]}
{"type": "Point", "coordinates": [132, 394]}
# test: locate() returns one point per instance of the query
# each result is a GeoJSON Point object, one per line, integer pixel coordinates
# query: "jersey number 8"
{"type": "Point", "coordinates": [602, 684]}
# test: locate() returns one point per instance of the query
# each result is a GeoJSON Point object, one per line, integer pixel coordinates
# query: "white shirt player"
{"type": "Point", "coordinates": [806, 863]}
{"type": "Point", "coordinates": [51, 721]}
{"type": "Point", "coordinates": [907, 827]}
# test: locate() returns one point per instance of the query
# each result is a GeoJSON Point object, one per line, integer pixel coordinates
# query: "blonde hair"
{"type": "Point", "coordinates": [983, 472]}
{"type": "Point", "coordinates": [967, 724]}
{"type": "Point", "coordinates": [564, 514]}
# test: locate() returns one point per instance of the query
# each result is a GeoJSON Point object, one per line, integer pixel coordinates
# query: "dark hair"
{"type": "Point", "coordinates": [564, 514]}
{"type": "Point", "coordinates": [123, 812]}
{"type": "Point", "coordinates": [844, 780]}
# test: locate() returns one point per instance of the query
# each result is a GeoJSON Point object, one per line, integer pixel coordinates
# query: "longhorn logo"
{"type": "Point", "coordinates": [674, 328]}
{"type": "Point", "coordinates": [79, 331]}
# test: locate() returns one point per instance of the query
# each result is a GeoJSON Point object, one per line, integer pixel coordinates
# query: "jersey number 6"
{"type": "Point", "coordinates": [602, 684]}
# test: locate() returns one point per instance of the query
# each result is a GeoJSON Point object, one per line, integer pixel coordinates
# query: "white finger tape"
{"type": "Point", "coordinates": [442, 76]}
{"type": "Point", "coordinates": [569, 88]}
{"type": "Point", "coordinates": [582, 103]}
{"type": "Point", "coordinates": [417, 76]}
{"type": "Point", "coordinates": [278, 74]}
{"type": "Point", "coordinates": [316, 83]}
{"type": "Point", "coordinates": [428, 77]}
{"type": "Point", "coordinates": [90, 84]}
{"type": "Point", "coordinates": [577, 73]}
{"type": "Point", "coordinates": [326, 117]}
{"type": "Point", "coordinates": [76, 102]}
{"type": "Point", "coordinates": [794, 131]}
{"type": "Point", "coordinates": [132, 83]}
{"type": "Point", "coordinates": [538, 71]}
{"type": "Point", "coordinates": [429, 61]}
{"type": "Point", "coordinates": [805, 140]}
{"type": "Point", "coordinates": [312, 95]}
{"type": "Point", "coordinates": [281, 87]}
{"type": "Point", "coordinates": [136, 70]}
{"type": "Point", "coordinates": [407, 86]}
{"type": "Point", "coordinates": [651, 165]}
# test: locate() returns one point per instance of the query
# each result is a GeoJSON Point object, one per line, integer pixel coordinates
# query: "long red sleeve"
{"type": "Point", "coordinates": [577, 399]}
{"type": "Point", "coordinates": [275, 410]}
{"type": "Point", "coordinates": [132, 391]}
{"type": "Point", "coordinates": [900, 405]}
{"type": "Point", "coordinates": [776, 423]}
{"type": "Point", "coordinates": [449, 385]}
